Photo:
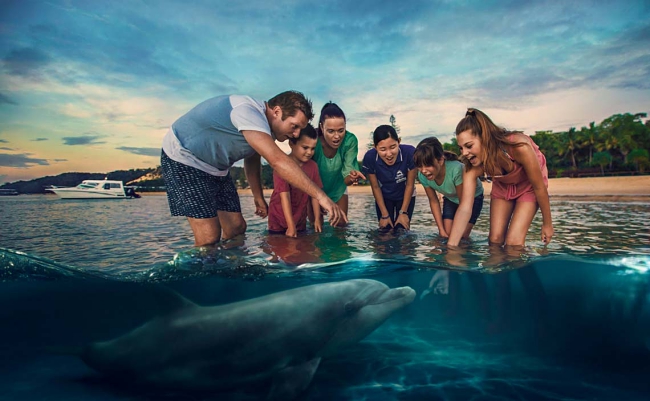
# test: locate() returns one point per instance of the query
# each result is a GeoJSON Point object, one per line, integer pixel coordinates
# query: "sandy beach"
{"type": "Point", "coordinates": [615, 189]}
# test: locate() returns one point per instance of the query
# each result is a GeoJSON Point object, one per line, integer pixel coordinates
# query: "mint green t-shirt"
{"type": "Point", "coordinates": [334, 170]}
{"type": "Point", "coordinates": [453, 178]}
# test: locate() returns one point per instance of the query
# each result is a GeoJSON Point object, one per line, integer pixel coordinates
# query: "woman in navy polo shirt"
{"type": "Point", "coordinates": [391, 172]}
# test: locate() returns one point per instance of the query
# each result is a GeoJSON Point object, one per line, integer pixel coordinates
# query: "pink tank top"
{"type": "Point", "coordinates": [515, 184]}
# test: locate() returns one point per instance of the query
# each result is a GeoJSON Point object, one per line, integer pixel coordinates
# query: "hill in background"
{"type": "Point", "coordinates": [146, 180]}
{"type": "Point", "coordinates": [38, 185]}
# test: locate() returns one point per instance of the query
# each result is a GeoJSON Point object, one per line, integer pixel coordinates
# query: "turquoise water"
{"type": "Point", "coordinates": [567, 322]}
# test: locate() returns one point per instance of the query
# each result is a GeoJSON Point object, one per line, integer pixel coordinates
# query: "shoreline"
{"type": "Point", "coordinates": [600, 189]}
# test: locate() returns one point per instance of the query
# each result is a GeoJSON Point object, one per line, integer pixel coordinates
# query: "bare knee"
{"type": "Point", "coordinates": [234, 230]}
{"type": "Point", "coordinates": [496, 240]}
{"type": "Point", "coordinates": [206, 231]}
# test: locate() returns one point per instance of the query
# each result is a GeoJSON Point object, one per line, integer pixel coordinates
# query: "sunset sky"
{"type": "Point", "coordinates": [92, 86]}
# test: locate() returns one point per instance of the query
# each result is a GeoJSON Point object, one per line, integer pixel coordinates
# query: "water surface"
{"type": "Point", "coordinates": [570, 321]}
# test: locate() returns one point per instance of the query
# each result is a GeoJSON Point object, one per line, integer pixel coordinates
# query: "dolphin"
{"type": "Point", "coordinates": [278, 338]}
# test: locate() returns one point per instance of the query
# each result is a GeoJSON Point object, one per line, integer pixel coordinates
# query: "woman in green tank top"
{"type": "Point", "coordinates": [336, 155]}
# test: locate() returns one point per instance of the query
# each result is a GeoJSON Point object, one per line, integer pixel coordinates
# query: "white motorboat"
{"type": "Point", "coordinates": [95, 189]}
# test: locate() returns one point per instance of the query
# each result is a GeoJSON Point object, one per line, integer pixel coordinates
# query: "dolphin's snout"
{"type": "Point", "coordinates": [408, 293]}
{"type": "Point", "coordinates": [404, 294]}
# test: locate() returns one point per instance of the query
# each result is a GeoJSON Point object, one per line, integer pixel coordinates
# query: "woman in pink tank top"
{"type": "Point", "coordinates": [520, 179]}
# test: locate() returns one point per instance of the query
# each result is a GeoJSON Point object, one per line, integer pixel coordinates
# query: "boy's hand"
{"type": "Point", "coordinates": [318, 225]}
{"type": "Point", "coordinates": [291, 232]}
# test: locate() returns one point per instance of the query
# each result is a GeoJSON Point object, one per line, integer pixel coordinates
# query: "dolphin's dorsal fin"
{"type": "Point", "coordinates": [289, 382]}
{"type": "Point", "coordinates": [170, 301]}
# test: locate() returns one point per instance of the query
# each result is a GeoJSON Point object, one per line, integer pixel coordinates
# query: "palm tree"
{"type": "Point", "coordinates": [572, 145]}
{"type": "Point", "coordinates": [567, 145]}
{"type": "Point", "coordinates": [620, 132]}
{"type": "Point", "coordinates": [588, 137]}
{"type": "Point", "coordinates": [602, 159]}
{"type": "Point", "coordinates": [640, 158]}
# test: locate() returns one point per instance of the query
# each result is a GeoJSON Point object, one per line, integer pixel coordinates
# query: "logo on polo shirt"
{"type": "Point", "coordinates": [399, 177]}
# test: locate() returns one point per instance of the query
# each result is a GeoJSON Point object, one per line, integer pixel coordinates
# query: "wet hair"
{"type": "Point", "coordinates": [430, 149]}
{"type": "Point", "coordinates": [493, 138]}
{"type": "Point", "coordinates": [291, 102]}
{"type": "Point", "coordinates": [329, 110]}
{"type": "Point", "coordinates": [309, 131]}
{"type": "Point", "coordinates": [384, 132]}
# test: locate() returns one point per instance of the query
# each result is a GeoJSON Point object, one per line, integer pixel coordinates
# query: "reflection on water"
{"type": "Point", "coordinates": [131, 236]}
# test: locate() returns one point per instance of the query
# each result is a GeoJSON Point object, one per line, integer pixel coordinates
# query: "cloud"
{"type": "Point", "coordinates": [141, 151]}
{"type": "Point", "coordinates": [40, 139]}
{"type": "Point", "coordinates": [3, 141]}
{"type": "Point", "coordinates": [26, 62]}
{"type": "Point", "coordinates": [60, 160]}
{"type": "Point", "coordinates": [82, 140]}
{"type": "Point", "coordinates": [20, 160]}
{"type": "Point", "coordinates": [4, 99]}
{"type": "Point", "coordinates": [6, 148]}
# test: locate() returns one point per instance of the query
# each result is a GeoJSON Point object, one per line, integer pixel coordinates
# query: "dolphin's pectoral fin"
{"type": "Point", "coordinates": [169, 300]}
{"type": "Point", "coordinates": [289, 382]}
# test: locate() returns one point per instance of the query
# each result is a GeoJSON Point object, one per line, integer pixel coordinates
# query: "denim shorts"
{"type": "Point", "coordinates": [449, 209]}
{"type": "Point", "coordinates": [195, 193]}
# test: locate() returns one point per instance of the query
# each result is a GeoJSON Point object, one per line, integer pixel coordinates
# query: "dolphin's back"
{"type": "Point", "coordinates": [278, 335]}
{"type": "Point", "coordinates": [218, 344]}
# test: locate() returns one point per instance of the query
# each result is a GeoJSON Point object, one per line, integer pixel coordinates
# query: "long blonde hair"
{"type": "Point", "coordinates": [493, 139]}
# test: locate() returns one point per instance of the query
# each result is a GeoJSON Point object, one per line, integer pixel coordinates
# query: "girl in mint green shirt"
{"type": "Point", "coordinates": [440, 171]}
{"type": "Point", "coordinates": [336, 155]}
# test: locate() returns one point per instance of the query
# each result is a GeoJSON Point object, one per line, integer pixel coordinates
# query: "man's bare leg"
{"type": "Point", "coordinates": [206, 231]}
{"type": "Point", "coordinates": [232, 224]}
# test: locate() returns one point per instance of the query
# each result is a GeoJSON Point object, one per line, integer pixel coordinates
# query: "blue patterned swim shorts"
{"type": "Point", "coordinates": [197, 194]}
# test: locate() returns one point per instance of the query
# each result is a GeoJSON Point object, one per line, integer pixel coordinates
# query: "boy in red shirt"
{"type": "Point", "coordinates": [288, 207]}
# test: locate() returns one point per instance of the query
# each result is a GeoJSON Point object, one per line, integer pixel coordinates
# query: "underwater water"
{"type": "Point", "coordinates": [570, 321]}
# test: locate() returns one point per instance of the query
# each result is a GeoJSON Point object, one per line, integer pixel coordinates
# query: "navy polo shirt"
{"type": "Point", "coordinates": [392, 179]}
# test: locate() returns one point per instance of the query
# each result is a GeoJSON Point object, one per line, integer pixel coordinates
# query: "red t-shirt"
{"type": "Point", "coordinates": [299, 200]}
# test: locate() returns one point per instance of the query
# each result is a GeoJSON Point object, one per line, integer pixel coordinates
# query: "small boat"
{"type": "Point", "coordinates": [95, 189]}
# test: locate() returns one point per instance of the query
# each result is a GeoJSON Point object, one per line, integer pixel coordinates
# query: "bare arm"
{"type": "Point", "coordinates": [434, 204]}
{"type": "Point", "coordinates": [264, 145]}
{"type": "Point", "coordinates": [318, 218]}
{"type": "Point", "coordinates": [285, 199]}
{"type": "Point", "coordinates": [350, 170]}
{"type": "Point", "coordinates": [379, 198]}
{"type": "Point", "coordinates": [253, 171]}
{"type": "Point", "coordinates": [464, 211]}
{"type": "Point", "coordinates": [526, 156]}
{"type": "Point", "coordinates": [403, 218]}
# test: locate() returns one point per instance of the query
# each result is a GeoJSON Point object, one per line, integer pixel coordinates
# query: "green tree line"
{"type": "Point", "coordinates": [619, 144]}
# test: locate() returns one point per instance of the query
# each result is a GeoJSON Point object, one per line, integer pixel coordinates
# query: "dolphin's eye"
{"type": "Point", "coordinates": [351, 307]}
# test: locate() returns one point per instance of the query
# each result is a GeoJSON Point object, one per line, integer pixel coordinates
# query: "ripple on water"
{"type": "Point", "coordinates": [125, 237]}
